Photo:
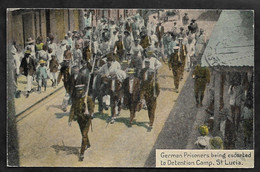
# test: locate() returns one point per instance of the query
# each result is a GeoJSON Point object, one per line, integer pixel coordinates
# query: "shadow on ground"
{"type": "Point", "coordinates": [61, 115]}
{"type": "Point", "coordinates": [166, 89]}
{"type": "Point", "coordinates": [53, 106]}
{"type": "Point", "coordinates": [67, 149]}
{"type": "Point", "coordinates": [124, 120]}
{"type": "Point", "coordinates": [165, 76]}
{"type": "Point", "coordinates": [212, 15]}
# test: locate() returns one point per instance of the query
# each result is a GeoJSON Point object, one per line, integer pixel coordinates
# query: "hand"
{"type": "Point", "coordinates": [86, 111]}
{"type": "Point", "coordinates": [69, 123]}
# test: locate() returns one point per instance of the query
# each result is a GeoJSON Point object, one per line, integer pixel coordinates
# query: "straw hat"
{"type": "Point", "coordinates": [203, 130]}
{"type": "Point", "coordinates": [27, 52]}
{"type": "Point", "coordinates": [131, 71]}
{"type": "Point", "coordinates": [42, 62]}
{"type": "Point", "coordinates": [29, 40]}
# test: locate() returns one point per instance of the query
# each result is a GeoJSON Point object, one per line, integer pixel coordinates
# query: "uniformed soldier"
{"type": "Point", "coordinates": [149, 92]}
{"type": "Point", "coordinates": [145, 39]}
{"type": "Point", "coordinates": [202, 77]}
{"type": "Point", "coordinates": [78, 109]}
{"type": "Point", "coordinates": [175, 65]}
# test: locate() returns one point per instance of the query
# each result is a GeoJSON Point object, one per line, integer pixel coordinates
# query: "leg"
{"type": "Point", "coordinates": [151, 111]}
{"type": "Point", "coordinates": [29, 83]}
{"type": "Point", "coordinates": [84, 125]}
{"type": "Point", "coordinates": [196, 91]}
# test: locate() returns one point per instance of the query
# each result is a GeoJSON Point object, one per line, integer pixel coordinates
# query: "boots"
{"type": "Point", "coordinates": [55, 83]}
{"type": "Point", "coordinates": [39, 89]}
{"type": "Point", "coordinates": [197, 101]}
{"type": "Point", "coordinates": [201, 99]}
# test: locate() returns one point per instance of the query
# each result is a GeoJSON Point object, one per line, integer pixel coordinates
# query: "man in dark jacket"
{"type": "Point", "coordinates": [131, 87]}
{"type": "Point", "coordinates": [79, 110]}
{"type": "Point", "coordinates": [28, 69]}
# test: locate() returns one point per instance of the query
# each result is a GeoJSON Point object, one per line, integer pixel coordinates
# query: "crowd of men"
{"type": "Point", "coordinates": [115, 63]}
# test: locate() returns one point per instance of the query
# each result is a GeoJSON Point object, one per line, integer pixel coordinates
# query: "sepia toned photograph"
{"type": "Point", "coordinates": [99, 87]}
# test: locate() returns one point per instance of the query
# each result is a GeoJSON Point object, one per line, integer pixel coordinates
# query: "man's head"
{"type": "Point", "coordinates": [136, 41]}
{"type": "Point", "coordinates": [131, 73]}
{"type": "Point", "coordinates": [68, 47]}
{"type": "Point", "coordinates": [109, 61]}
{"type": "Point", "coordinates": [50, 50]}
{"type": "Point", "coordinates": [42, 62]}
{"type": "Point", "coordinates": [126, 33]}
{"type": "Point", "coordinates": [53, 56]}
{"type": "Point", "coordinates": [45, 47]}
{"type": "Point", "coordinates": [119, 37]}
{"type": "Point", "coordinates": [75, 69]}
{"type": "Point", "coordinates": [193, 20]}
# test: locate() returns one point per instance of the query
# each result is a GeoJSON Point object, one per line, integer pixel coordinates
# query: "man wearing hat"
{"type": "Point", "coordinates": [52, 44]}
{"type": "Point", "coordinates": [41, 75]}
{"type": "Point", "coordinates": [127, 41]}
{"type": "Point", "coordinates": [202, 78]}
{"type": "Point", "coordinates": [113, 39]}
{"type": "Point", "coordinates": [136, 63]}
{"type": "Point", "coordinates": [181, 34]}
{"type": "Point", "coordinates": [155, 64]}
{"type": "Point", "coordinates": [104, 73]}
{"type": "Point", "coordinates": [185, 19]}
{"type": "Point", "coordinates": [193, 27]}
{"type": "Point", "coordinates": [137, 47]}
{"type": "Point", "coordinates": [174, 65]}
{"type": "Point", "coordinates": [159, 32]}
{"type": "Point", "coordinates": [128, 25]}
{"type": "Point", "coordinates": [149, 91]}
{"type": "Point", "coordinates": [28, 68]}
{"type": "Point", "coordinates": [77, 55]}
{"type": "Point", "coordinates": [30, 46]}
{"type": "Point", "coordinates": [116, 78]}
{"type": "Point", "coordinates": [79, 110]}
{"type": "Point", "coordinates": [131, 88]}
{"type": "Point", "coordinates": [119, 47]}
{"type": "Point", "coordinates": [54, 64]}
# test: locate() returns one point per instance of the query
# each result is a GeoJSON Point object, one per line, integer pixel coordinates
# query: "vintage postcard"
{"type": "Point", "coordinates": [168, 88]}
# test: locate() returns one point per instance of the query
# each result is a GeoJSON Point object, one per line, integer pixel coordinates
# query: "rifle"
{"type": "Point", "coordinates": [92, 70]}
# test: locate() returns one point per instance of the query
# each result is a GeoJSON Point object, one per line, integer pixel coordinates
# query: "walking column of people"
{"type": "Point", "coordinates": [115, 63]}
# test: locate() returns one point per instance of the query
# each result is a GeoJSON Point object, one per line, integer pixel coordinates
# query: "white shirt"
{"type": "Point", "coordinates": [131, 82]}
{"type": "Point", "coordinates": [137, 48]}
{"type": "Point", "coordinates": [235, 95]}
{"type": "Point", "coordinates": [113, 85]}
{"type": "Point", "coordinates": [154, 63]}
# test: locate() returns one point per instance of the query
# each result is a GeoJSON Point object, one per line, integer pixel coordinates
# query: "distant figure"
{"type": "Point", "coordinates": [185, 19]}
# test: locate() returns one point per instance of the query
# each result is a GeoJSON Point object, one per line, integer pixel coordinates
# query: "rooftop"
{"type": "Point", "coordinates": [232, 41]}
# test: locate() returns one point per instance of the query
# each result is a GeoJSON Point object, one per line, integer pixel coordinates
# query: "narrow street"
{"type": "Point", "coordinates": [45, 139]}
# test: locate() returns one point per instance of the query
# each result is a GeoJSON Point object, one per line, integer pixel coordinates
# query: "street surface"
{"type": "Point", "coordinates": [45, 139]}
